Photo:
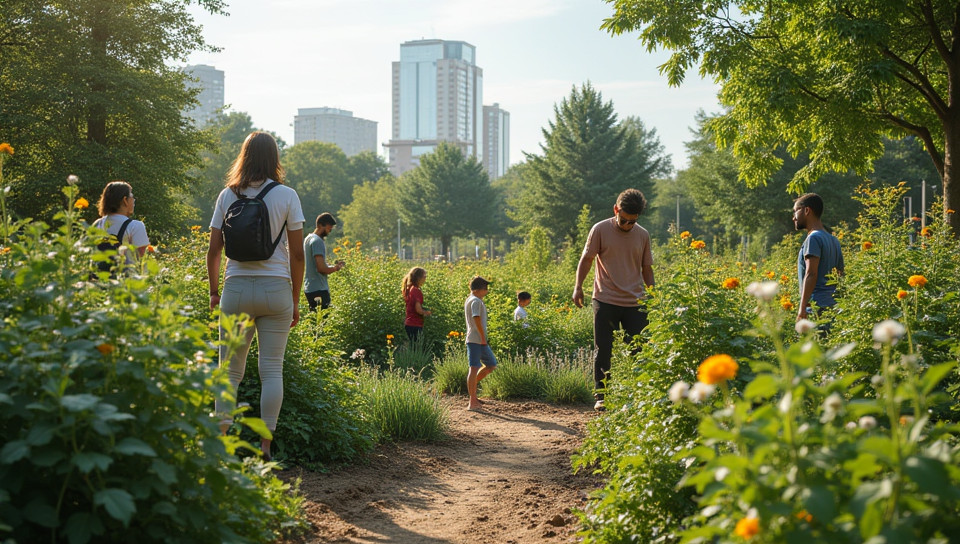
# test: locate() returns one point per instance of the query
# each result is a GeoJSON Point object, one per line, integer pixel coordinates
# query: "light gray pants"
{"type": "Point", "coordinates": [269, 303]}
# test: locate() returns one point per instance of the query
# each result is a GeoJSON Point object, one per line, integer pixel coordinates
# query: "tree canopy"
{"type": "Point", "coordinates": [447, 195]}
{"type": "Point", "coordinates": [588, 158]}
{"type": "Point", "coordinates": [87, 90]}
{"type": "Point", "coordinates": [831, 79]}
{"type": "Point", "coordinates": [372, 214]}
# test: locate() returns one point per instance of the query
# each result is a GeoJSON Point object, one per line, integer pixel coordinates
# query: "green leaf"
{"type": "Point", "coordinates": [40, 434]}
{"type": "Point", "coordinates": [762, 387]}
{"type": "Point", "coordinates": [164, 471]}
{"type": "Point", "coordinates": [78, 527]}
{"type": "Point", "coordinates": [134, 446]}
{"type": "Point", "coordinates": [839, 352]}
{"type": "Point", "coordinates": [78, 403]}
{"type": "Point", "coordinates": [87, 461]}
{"type": "Point", "coordinates": [119, 504]}
{"type": "Point", "coordinates": [41, 513]}
{"type": "Point", "coordinates": [14, 451]}
{"type": "Point", "coordinates": [820, 502]}
{"type": "Point", "coordinates": [258, 426]}
{"type": "Point", "coordinates": [929, 474]}
{"type": "Point", "coordinates": [872, 521]}
{"type": "Point", "coordinates": [934, 375]}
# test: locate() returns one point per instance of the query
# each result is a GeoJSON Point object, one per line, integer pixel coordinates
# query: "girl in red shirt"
{"type": "Point", "coordinates": [413, 297]}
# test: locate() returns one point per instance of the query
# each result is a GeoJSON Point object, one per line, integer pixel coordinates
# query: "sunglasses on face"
{"type": "Point", "coordinates": [625, 222]}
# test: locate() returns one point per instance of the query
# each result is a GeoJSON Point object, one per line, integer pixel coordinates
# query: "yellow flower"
{"type": "Point", "coordinates": [731, 283]}
{"type": "Point", "coordinates": [698, 244]}
{"type": "Point", "coordinates": [359, 243]}
{"type": "Point", "coordinates": [389, 337]}
{"type": "Point", "coordinates": [196, 228]}
{"type": "Point", "coordinates": [81, 203]}
{"type": "Point", "coordinates": [105, 348]}
{"type": "Point", "coordinates": [4, 250]}
{"type": "Point", "coordinates": [685, 234]}
{"type": "Point", "coordinates": [917, 281]}
{"type": "Point", "coordinates": [925, 231]}
{"type": "Point", "coordinates": [771, 274]}
{"type": "Point", "coordinates": [336, 250]}
{"type": "Point", "coordinates": [785, 303]}
{"type": "Point", "coordinates": [717, 368]}
{"type": "Point", "coordinates": [6, 148]}
{"type": "Point", "coordinates": [803, 515]}
{"type": "Point", "coordinates": [866, 245]}
{"type": "Point", "coordinates": [747, 528]}
{"type": "Point", "coordinates": [784, 278]}
{"type": "Point", "coordinates": [901, 294]}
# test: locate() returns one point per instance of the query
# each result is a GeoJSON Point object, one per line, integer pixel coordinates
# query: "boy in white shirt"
{"type": "Point", "coordinates": [520, 314]}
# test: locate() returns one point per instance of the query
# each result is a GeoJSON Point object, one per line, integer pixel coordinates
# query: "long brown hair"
{"type": "Point", "coordinates": [112, 197]}
{"type": "Point", "coordinates": [412, 278]}
{"type": "Point", "coordinates": [258, 160]}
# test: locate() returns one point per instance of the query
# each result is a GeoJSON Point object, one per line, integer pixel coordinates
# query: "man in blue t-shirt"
{"type": "Point", "coordinates": [315, 286]}
{"type": "Point", "coordinates": [819, 256]}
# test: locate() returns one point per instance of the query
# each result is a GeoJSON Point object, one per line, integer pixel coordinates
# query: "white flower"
{"type": "Point", "coordinates": [721, 473]}
{"type": "Point", "coordinates": [803, 428]}
{"type": "Point", "coordinates": [785, 402]}
{"type": "Point", "coordinates": [72, 179]}
{"type": "Point", "coordinates": [867, 422]}
{"type": "Point", "coordinates": [888, 332]}
{"type": "Point", "coordinates": [700, 392]}
{"type": "Point", "coordinates": [763, 290]}
{"type": "Point", "coordinates": [831, 407]}
{"type": "Point", "coordinates": [804, 326]}
{"type": "Point", "coordinates": [850, 426]}
{"type": "Point", "coordinates": [876, 381]}
{"type": "Point", "coordinates": [678, 391]}
{"type": "Point", "coordinates": [360, 353]}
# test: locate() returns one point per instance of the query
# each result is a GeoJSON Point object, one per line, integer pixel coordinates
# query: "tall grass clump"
{"type": "Point", "coordinates": [402, 407]}
{"type": "Point", "coordinates": [570, 380]}
{"type": "Point", "coordinates": [517, 378]}
{"type": "Point", "coordinates": [450, 372]}
{"type": "Point", "coordinates": [416, 357]}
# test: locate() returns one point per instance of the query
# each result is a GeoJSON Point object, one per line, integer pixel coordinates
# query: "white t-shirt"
{"type": "Point", "coordinates": [135, 235]}
{"type": "Point", "coordinates": [283, 205]}
{"type": "Point", "coordinates": [520, 313]}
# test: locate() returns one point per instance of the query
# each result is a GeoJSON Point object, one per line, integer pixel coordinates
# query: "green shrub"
{"type": "Point", "coordinates": [402, 407]}
{"type": "Point", "coordinates": [106, 391]}
{"type": "Point", "coordinates": [417, 357]}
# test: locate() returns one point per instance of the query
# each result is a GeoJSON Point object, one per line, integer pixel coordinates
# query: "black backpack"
{"type": "Point", "coordinates": [111, 243]}
{"type": "Point", "coordinates": [246, 228]}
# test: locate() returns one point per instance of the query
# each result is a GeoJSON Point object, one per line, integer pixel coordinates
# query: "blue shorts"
{"type": "Point", "coordinates": [480, 355]}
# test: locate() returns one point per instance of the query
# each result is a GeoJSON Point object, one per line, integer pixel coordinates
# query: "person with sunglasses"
{"type": "Point", "coordinates": [624, 272]}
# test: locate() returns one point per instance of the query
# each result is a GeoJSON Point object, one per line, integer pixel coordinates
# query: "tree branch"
{"type": "Point", "coordinates": [927, 9]}
{"type": "Point", "coordinates": [921, 132]}
{"type": "Point", "coordinates": [922, 84]}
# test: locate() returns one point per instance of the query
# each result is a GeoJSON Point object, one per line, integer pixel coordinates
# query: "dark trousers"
{"type": "Point", "coordinates": [413, 333]}
{"type": "Point", "coordinates": [606, 319]}
{"type": "Point", "coordinates": [314, 296]}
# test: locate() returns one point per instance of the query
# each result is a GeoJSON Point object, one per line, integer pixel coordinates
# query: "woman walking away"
{"type": "Point", "coordinates": [413, 297]}
{"type": "Point", "coordinates": [266, 289]}
{"type": "Point", "coordinates": [116, 218]}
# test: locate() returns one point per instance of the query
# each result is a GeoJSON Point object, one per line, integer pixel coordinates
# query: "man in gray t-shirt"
{"type": "Point", "coordinates": [315, 286]}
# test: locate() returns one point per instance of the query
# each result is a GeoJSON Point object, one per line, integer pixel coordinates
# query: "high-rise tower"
{"type": "Point", "coordinates": [210, 98]}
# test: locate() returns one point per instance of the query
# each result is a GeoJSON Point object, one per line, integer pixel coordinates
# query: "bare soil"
{"type": "Point", "coordinates": [503, 476]}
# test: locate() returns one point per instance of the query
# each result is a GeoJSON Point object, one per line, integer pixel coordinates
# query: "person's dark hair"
{"type": "Point", "coordinates": [632, 202]}
{"type": "Point", "coordinates": [812, 201]}
{"type": "Point", "coordinates": [325, 219]}
{"type": "Point", "coordinates": [523, 295]}
{"type": "Point", "coordinates": [478, 283]}
{"type": "Point", "coordinates": [258, 160]}
{"type": "Point", "coordinates": [112, 197]}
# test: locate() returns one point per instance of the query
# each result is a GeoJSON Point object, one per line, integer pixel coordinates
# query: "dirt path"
{"type": "Point", "coordinates": [503, 477]}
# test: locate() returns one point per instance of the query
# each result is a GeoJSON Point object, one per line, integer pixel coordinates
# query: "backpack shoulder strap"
{"type": "Point", "coordinates": [263, 192]}
{"type": "Point", "coordinates": [123, 230]}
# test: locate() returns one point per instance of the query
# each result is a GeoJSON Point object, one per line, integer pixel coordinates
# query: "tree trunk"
{"type": "Point", "coordinates": [445, 240]}
{"type": "Point", "coordinates": [951, 177]}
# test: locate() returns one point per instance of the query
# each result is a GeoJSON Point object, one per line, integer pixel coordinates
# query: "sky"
{"type": "Point", "coordinates": [281, 55]}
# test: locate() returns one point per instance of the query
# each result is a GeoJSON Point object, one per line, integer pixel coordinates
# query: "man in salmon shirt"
{"type": "Point", "coordinates": [624, 271]}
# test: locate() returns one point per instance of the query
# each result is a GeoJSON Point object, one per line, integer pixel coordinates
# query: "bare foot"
{"type": "Point", "coordinates": [474, 406]}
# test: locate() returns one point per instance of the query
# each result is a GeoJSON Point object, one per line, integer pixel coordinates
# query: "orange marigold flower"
{"type": "Point", "coordinates": [785, 303]}
{"type": "Point", "coordinates": [359, 243]}
{"type": "Point", "coordinates": [950, 211]}
{"type": "Point", "coordinates": [747, 528]}
{"type": "Point", "coordinates": [151, 248]}
{"type": "Point", "coordinates": [4, 250]}
{"type": "Point", "coordinates": [915, 218]}
{"type": "Point", "coordinates": [771, 274]}
{"type": "Point", "coordinates": [917, 281]}
{"type": "Point", "coordinates": [803, 515]}
{"type": "Point", "coordinates": [698, 244]}
{"type": "Point", "coordinates": [866, 245]}
{"type": "Point", "coordinates": [901, 294]}
{"type": "Point", "coordinates": [925, 231]}
{"type": "Point", "coordinates": [685, 234]}
{"type": "Point", "coordinates": [717, 368]}
{"type": "Point", "coordinates": [389, 337]}
{"type": "Point", "coordinates": [906, 420]}
{"type": "Point", "coordinates": [6, 148]}
{"type": "Point", "coordinates": [196, 228]}
{"type": "Point", "coordinates": [784, 278]}
{"type": "Point", "coordinates": [105, 348]}
{"type": "Point", "coordinates": [731, 283]}
{"type": "Point", "coordinates": [336, 250]}
{"type": "Point", "coordinates": [81, 203]}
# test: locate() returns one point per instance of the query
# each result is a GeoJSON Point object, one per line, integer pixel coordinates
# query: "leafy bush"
{"type": "Point", "coordinates": [106, 392]}
{"type": "Point", "coordinates": [402, 407]}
